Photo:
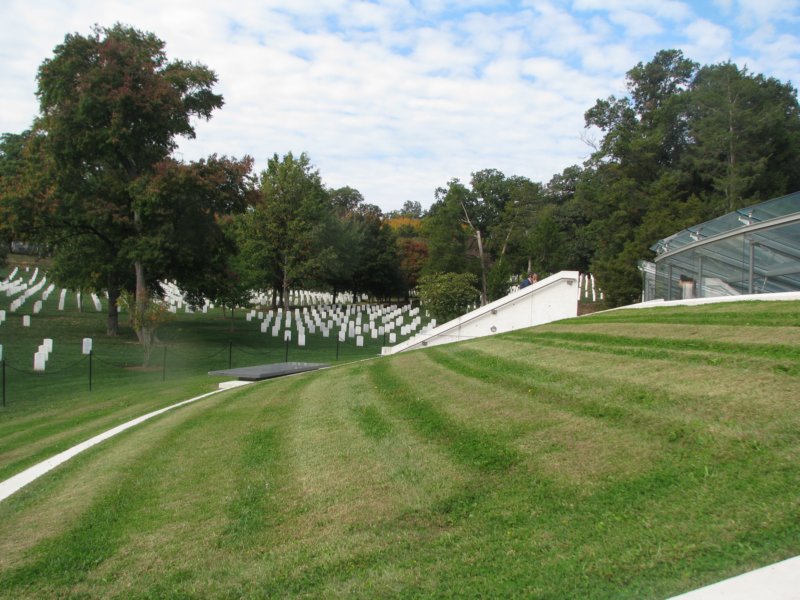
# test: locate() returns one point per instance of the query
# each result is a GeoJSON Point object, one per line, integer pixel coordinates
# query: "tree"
{"type": "Point", "coordinates": [413, 254]}
{"type": "Point", "coordinates": [689, 143]}
{"type": "Point", "coordinates": [447, 237]}
{"type": "Point", "coordinates": [447, 295]}
{"type": "Point", "coordinates": [287, 224]}
{"type": "Point", "coordinates": [745, 132]}
{"type": "Point", "coordinates": [377, 270]}
{"type": "Point", "coordinates": [112, 106]}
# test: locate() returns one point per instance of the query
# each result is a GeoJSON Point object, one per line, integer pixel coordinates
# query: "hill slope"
{"type": "Point", "coordinates": [627, 454]}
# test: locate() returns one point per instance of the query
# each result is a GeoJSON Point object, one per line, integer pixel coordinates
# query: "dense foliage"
{"type": "Point", "coordinates": [447, 295]}
{"type": "Point", "coordinates": [687, 144]}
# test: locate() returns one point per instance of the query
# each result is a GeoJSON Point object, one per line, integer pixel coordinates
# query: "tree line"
{"type": "Point", "coordinates": [95, 186]}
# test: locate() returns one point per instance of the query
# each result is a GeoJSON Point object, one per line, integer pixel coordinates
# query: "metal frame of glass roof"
{"type": "Point", "coordinates": [749, 251]}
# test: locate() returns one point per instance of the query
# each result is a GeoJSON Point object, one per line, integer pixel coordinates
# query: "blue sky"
{"type": "Point", "coordinates": [396, 97]}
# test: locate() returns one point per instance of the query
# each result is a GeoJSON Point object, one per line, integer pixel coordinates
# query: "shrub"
{"type": "Point", "coordinates": [447, 295]}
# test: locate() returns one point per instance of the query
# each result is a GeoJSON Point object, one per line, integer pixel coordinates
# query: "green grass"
{"type": "Point", "coordinates": [45, 413]}
{"type": "Point", "coordinates": [633, 454]}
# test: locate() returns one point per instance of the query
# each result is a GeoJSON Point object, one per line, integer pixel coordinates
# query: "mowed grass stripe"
{"type": "Point", "coordinates": [469, 446]}
{"type": "Point", "coordinates": [754, 313]}
{"type": "Point", "coordinates": [28, 439]}
{"type": "Point", "coordinates": [102, 528]}
{"type": "Point", "coordinates": [746, 405]}
{"type": "Point", "coordinates": [661, 348]}
{"type": "Point", "coordinates": [261, 475]}
{"type": "Point", "coordinates": [645, 411]}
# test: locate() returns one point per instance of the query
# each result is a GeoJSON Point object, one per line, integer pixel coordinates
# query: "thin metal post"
{"type": "Point", "coordinates": [337, 347]}
{"type": "Point", "coordinates": [700, 293]}
{"type": "Point", "coordinates": [4, 381]}
{"type": "Point", "coordinates": [669, 282]}
{"type": "Point", "coordinates": [286, 357]}
{"type": "Point", "coordinates": [752, 266]}
{"type": "Point", "coordinates": [90, 370]}
{"type": "Point", "coordinates": [230, 354]}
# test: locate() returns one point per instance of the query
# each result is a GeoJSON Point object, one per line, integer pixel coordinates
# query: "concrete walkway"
{"type": "Point", "coordinates": [20, 480]}
{"type": "Point", "coordinates": [780, 581]}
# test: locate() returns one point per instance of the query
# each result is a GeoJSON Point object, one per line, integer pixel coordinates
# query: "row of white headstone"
{"type": "Point", "coordinates": [306, 298]}
{"type": "Point", "coordinates": [14, 285]}
{"type": "Point", "coordinates": [175, 299]}
{"type": "Point", "coordinates": [588, 288]}
{"type": "Point", "coordinates": [42, 354]}
{"type": "Point", "coordinates": [353, 322]}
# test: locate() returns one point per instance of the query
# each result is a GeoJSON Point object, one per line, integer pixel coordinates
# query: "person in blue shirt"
{"type": "Point", "coordinates": [529, 280]}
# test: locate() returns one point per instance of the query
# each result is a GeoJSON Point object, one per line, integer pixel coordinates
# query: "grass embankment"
{"type": "Point", "coordinates": [631, 454]}
{"type": "Point", "coordinates": [44, 413]}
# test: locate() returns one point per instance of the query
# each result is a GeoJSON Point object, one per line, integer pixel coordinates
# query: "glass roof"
{"type": "Point", "coordinates": [739, 219]}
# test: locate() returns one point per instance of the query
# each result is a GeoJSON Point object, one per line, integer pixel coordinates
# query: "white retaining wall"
{"type": "Point", "coordinates": [548, 300]}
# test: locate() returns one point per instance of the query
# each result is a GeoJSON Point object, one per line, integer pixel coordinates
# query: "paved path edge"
{"type": "Point", "coordinates": [20, 480]}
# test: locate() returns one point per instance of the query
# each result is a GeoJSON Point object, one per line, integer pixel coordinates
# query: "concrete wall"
{"type": "Point", "coordinates": [548, 300]}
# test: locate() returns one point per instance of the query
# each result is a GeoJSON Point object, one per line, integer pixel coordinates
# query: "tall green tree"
{"type": "Point", "coordinates": [111, 110]}
{"type": "Point", "coordinates": [287, 225]}
{"type": "Point", "coordinates": [745, 133]}
{"type": "Point", "coordinates": [688, 144]}
{"type": "Point", "coordinates": [448, 238]}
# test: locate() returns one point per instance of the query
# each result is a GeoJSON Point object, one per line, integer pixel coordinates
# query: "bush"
{"type": "Point", "coordinates": [447, 295]}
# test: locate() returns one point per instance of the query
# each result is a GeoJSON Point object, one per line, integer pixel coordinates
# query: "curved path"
{"type": "Point", "coordinates": [20, 480]}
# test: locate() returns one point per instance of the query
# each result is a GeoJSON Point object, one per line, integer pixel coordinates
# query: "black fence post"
{"type": "Point", "coordinates": [90, 369]}
{"type": "Point", "coordinates": [3, 362]}
{"type": "Point", "coordinates": [286, 357]}
{"type": "Point", "coordinates": [230, 354]}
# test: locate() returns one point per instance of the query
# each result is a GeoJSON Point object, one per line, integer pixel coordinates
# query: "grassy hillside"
{"type": "Point", "coordinates": [632, 454]}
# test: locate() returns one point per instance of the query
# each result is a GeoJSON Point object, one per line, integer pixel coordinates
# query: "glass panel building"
{"type": "Point", "coordinates": [754, 250]}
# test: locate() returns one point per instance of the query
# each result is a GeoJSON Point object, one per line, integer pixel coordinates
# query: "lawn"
{"type": "Point", "coordinates": [631, 454]}
{"type": "Point", "coordinates": [76, 397]}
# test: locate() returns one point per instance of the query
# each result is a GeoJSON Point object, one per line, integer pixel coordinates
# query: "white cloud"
{"type": "Point", "coordinates": [774, 53]}
{"type": "Point", "coordinates": [766, 11]}
{"type": "Point", "coordinates": [707, 42]}
{"type": "Point", "coordinates": [637, 24]}
{"type": "Point", "coordinates": [394, 97]}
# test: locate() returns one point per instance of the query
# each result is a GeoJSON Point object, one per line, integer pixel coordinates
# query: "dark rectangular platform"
{"type": "Point", "coordinates": [260, 372]}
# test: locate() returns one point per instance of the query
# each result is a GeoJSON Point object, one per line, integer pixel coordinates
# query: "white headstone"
{"type": "Point", "coordinates": [39, 361]}
{"type": "Point", "coordinates": [392, 338]}
{"type": "Point", "coordinates": [26, 321]}
{"type": "Point", "coordinates": [360, 340]}
{"type": "Point", "coordinates": [48, 343]}
{"type": "Point", "coordinates": [287, 335]}
{"type": "Point", "coordinates": [341, 335]}
{"type": "Point", "coordinates": [87, 345]}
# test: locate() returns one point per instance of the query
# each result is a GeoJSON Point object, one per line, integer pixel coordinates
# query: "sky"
{"type": "Point", "coordinates": [397, 97]}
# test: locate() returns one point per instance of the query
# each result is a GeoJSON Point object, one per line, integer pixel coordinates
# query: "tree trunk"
{"type": "Point", "coordinates": [484, 294]}
{"type": "Point", "coordinates": [112, 323]}
{"type": "Point", "coordinates": [285, 285]}
{"type": "Point", "coordinates": [140, 298]}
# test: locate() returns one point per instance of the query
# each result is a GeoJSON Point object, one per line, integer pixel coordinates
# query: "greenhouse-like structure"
{"type": "Point", "coordinates": [753, 250]}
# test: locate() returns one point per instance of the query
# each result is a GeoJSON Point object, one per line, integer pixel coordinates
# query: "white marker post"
{"type": "Point", "coordinates": [87, 349]}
